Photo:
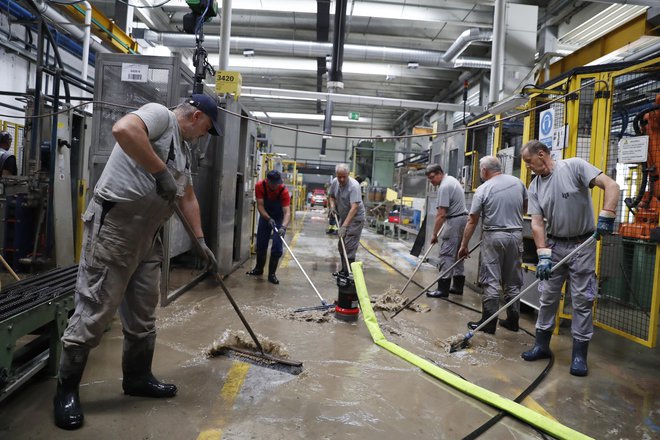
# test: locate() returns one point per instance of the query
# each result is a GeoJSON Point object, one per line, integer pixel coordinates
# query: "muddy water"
{"type": "Point", "coordinates": [240, 339]}
{"type": "Point", "coordinates": [392, 300]}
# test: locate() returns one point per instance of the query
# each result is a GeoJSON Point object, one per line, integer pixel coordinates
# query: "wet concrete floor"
{"type": "Point", "coordinates": [350, 388]}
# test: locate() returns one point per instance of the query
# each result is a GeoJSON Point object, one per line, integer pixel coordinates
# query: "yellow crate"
{"type": "Point", "coordinates": [228, 82]}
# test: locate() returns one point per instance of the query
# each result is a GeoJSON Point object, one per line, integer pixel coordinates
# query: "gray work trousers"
{"type": "Point", "coordinates": [581, 275]}
{"type": "Point", "coordinates": [119, 267]}
{"type": "Point", "coordinates": [501, 259]}
{"type": "Point", "coordinates": [450, 242]}
{"type": "Point", "coordinates": [352, 238]}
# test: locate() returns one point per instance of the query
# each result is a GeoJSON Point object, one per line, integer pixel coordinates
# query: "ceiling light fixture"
{"type": "Point", "coordinates": [413, 64]}
{"type": "Point", "coordinates": [248, 52]}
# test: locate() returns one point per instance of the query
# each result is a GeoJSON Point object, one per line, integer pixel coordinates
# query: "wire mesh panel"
{"type": "Point", "coordinates": [585, 119]}
{"type": "Point", "coordinates": [628, 260]}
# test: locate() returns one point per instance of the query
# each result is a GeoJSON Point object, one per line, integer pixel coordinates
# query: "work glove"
{"type": "Point", "coordinates": [342, 232]}
{"type": "Point", "coordinates": [212, 265]}
{"type": "Point", "coordinates": [272, 224]}
{"type": "Point", "coordinates": [165, 185]}
{"type": "Point", "coordinates": [332, 212]}
{"type": "Point", "coordinates": [544, 266]}
{"type": "Point", "coordinates": [605, 222]}
{"type": "Point", "coordinates": [281, 231]}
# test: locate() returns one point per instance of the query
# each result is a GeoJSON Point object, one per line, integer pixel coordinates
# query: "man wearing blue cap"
{"type": "Point", "coordinates": [147, 173]}
{"type": "Point", "coordinates": [273, 204]}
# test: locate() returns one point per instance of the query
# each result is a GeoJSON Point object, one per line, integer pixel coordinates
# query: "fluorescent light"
{"type": "Point", "coordinates": [307, 117]}
{"type": "Point", "coordinates": [248, 52]}
{"type": "Point", "coordinates": [413, 65]}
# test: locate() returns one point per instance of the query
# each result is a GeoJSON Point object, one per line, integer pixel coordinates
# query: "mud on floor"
{"type": "Point", "coordinates": [240, 339]}
{"type": "Point", "coordinates": [392, 300]}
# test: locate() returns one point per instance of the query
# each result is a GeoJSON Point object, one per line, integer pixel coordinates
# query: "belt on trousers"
{"type": "Point", "coordinates": [576, 238]}
{"type": "Point", "coordinates": [457, 215]}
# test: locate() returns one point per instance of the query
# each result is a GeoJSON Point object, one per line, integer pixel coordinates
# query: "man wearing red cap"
{"type": "Point", "coordinates": [273, 204]}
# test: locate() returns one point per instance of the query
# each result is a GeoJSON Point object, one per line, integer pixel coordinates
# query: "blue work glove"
{"type": "Point", "coordinates": [281, 231]}
{"type": "Point", "coordinates": [544, 266]}
{"type": "Point", "coordinates": [272, 224]}
{"type": "Point", "coordinates": [212, 265]}
{"type": "Point", "coordinates": [165, 184]}
{"type": "Point", "coordinates": [606, 222]}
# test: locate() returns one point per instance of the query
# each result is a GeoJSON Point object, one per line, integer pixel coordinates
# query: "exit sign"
{"type": "Point", "coordinates": [353, 116]}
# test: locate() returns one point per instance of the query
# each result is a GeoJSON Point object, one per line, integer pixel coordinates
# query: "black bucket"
{"type": "Point", "coordinates": [347, 308]}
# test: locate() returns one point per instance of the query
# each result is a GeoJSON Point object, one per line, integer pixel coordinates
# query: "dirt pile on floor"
{"type": "Point", "coordinates": [478, 342]}
{"type": "Point", "coordinates": [241, 339]}
{"type": "Point", "coordinates": [392, 300]}
{"type": "Point", "coordinates": [317, 316]}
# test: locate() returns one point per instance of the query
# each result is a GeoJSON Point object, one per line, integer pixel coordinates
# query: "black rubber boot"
{"type": "Point", "coordinates": [443, 289]}
{"type": "Point", "coordinates": [66, 404]}
{"type": "Point", "coordinates": [511, 321]}
{"type": "Point", "coordinates": [457, 288]}
{"type": "Point", "coordinates": [541, 349]}
{"type": "Point", "coordinates": [579, 362]}
{"type": "Point", "coordinates": [136, 365]}
{"type": "Point", "coordinates": [259, 265]}
{"type": "Point", "coordinates": [488, 328]}
{"type": "Point", "coordinates": [272, 268]}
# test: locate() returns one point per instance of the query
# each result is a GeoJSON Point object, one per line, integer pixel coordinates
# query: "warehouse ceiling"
{"type": "Point", "coordinates": [396, 49]}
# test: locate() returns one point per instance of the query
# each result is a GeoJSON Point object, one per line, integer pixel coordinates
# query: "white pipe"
{"type": "Point", "coordinates": [225, 35]}
{"type": "Point", "coordinates": [358, 100]}
{"type": "Point", "coordinates": [497, 51]}
{"type": "Point", "coordinates": [86, 40]}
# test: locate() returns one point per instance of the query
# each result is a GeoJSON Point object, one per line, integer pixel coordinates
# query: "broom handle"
{"type": "Point", "coordinates": [343, 248]}
{"type": "Point", "coordinates": [9, 269]}
{"type": "Point", "coordinates": [216, 276]}
{"type": "Point", "coordinates": [303, 270]}
{"type": "Point", "coordinates": [426, 254]}
{"type": "Point", "coordinates": [442, 275]}
{"type": "Point", "coordinates": [528, 288]}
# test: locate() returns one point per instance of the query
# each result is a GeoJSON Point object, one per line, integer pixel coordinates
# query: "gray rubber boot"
{"type": "Point", "coordinates": [541, 349]}
{"type": "Point", "coordinates": [259, 265]}
{"type": "Point", "coordinates": [66, 404]}
{"type": "Point", "coordinates": [136, 366]}
{"type": "Point", "coordinates": [579, 362]}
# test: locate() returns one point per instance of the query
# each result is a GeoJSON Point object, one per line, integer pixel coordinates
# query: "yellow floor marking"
{"type": "Point", "coordinates": [370, 249]}
{"type": "Point", "coordinates": [529, 402]}
{"type": "Point", "coordinates": [222, 406]}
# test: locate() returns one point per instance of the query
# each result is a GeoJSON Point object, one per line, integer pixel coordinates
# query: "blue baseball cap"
{"type": "Point", "coordinates": [274, 176]}
{"type": "Point", "coordinates": [207, 105]}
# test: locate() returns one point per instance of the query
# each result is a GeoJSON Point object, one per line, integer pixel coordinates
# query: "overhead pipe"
{"type": "Point", "coordinates": [497, 51]}
{"type": "Point", "coordinates": [360, 100]}
{"type": "Point", "coordinates": [335, 77]}
{"type": "Point", "coordinates": [319, 49]}
{"type": "Point", "coordinates": [225, 35]}
{"type": "Point", "coordinates": [463, 41]}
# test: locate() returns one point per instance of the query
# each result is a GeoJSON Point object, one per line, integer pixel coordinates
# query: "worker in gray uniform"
{"type": "Point", "coordinates": [345, 200]}
{"type": "Point", "coordinates": [120, 267]}
{"type": "Point", "coordinates": [452, 213]}
{"type": "Point", "coordinates": [560, 194]}
{"type": "Point", "coordinates": [500, 202]}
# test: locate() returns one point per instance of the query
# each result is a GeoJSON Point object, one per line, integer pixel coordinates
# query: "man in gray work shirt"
{"type": "Point", "coordinates": [500, 201]}
{"type": "Point", "coordinates": [452, 213]}
{"type": "Point", "coordinates": [120, 266]}
{"type": "Point", "coordinates": [560, 193]}
{"type": "Point", "coordinates": [345, 199]}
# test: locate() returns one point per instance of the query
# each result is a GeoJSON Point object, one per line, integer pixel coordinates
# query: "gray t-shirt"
{"type": "Point", "coordinates": [123, 180]}
{"type": "Point", "coordinates": [500, 201]}
{"type": "Point", "coordinates": [345, 196]}
{"type": "Point", "coordinates": [563, 198]}
{"type": "Point", "coordinates": [450, 196]}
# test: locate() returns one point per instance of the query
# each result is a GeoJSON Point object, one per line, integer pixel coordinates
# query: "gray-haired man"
{"type": "Point", "coordinates": [452, 213]}
{"type": "Point", "coordinates": [500, 201]}
{"type": "Point", "coordinates": [560, 194]}
{"type": "Point", "coordinates": [345, 198]}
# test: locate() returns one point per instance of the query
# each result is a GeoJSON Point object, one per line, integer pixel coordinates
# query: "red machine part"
{"type": "Point", "coordinates": [646, 215]}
